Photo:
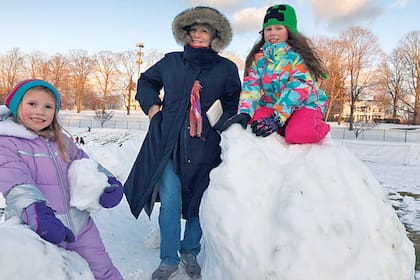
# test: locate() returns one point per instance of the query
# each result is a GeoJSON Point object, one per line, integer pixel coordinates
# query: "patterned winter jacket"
{"type": "Point", "coordinates": [32, 170]}
{"type": "Point", "coordinates": [278, 79]}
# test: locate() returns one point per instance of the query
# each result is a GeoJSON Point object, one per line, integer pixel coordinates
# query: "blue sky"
{"type": "Point", "coordinates": [52, 26]}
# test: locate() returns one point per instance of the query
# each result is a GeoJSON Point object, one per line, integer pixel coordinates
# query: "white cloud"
{"type": "Point", "coordinates": [353, 18]}
{"type": "Point", "coordinates": [342, 14]}
{"type": "Point", "coordinates": [399, 3]}
{"type": "Point", "coordinates": [332, 9]}
{"type": "Point", "coordinates": [248, 20]}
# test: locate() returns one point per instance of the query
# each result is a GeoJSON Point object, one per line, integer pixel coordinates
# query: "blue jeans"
{"type": "Point", "coordinates": [170, 212]}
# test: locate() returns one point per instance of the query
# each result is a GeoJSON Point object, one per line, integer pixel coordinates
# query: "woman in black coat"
{"type": "Point", "coordinates": [182, 143]}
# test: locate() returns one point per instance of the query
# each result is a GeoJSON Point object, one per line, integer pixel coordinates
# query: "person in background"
{"type": "Point", "coordinates": [35, 156]}
{"type": "Point", "coordinates": [280, 93]}
{"type": "Point", "coordinates": [182, 143]}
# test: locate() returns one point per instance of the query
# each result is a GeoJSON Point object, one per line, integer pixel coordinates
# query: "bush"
{"type": "Point", "coordinates": [387, 120]}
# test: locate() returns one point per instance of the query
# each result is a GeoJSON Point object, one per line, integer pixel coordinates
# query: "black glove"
{"type": "Point", "coordinates": [241, 118]}
{"type": "Point", "coordinates": [264, 127]}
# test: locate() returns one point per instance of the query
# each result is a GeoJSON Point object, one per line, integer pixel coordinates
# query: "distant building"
{"type": "Point", "coordinates": [134, 105]}
{"type": "Point", "coordinates": [367, 110]}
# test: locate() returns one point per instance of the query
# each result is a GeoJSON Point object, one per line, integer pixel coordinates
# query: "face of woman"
{"type": "Point", "coordinates": [275, 34]}
{"type": "Point", "coordinates": [37, 109]}
{"type": "Point", "coordinates": [200, 36]}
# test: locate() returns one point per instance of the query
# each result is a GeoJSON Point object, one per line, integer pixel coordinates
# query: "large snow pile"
{"type": "Point", "coordinates": [36, 258]}
{"type": "Point", "coordinates": [279, 211]}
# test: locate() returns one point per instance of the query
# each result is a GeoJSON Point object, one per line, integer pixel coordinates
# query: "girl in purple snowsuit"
{"type": "Point", "coordinates": [35, 156]}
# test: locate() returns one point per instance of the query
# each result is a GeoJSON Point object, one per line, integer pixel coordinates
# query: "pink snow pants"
{"type": "Point", "coordinates": [89, 245]}
{"type": "Point", "coordinates": [304, 125]}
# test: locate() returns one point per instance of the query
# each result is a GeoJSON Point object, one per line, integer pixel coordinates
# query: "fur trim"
{"type": "Point", "coordinates": [205, 15]}
{"type": "Point", "coordinates": [4, 111]}
{"type": "Point", "coordinates": [9, 127]}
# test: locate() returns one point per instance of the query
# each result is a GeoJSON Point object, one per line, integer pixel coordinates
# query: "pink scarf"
{"type": "Point", "coordinates": [196, 122]}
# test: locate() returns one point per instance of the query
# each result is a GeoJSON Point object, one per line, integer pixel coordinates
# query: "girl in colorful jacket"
{"type": "Point", "coordinates": [279, 92]}
{"type": "Point", "coordinates": [35, 157]}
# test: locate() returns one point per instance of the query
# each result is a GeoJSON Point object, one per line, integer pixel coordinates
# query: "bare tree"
{"type": "Point", "coordinates": [410, 48]}
{"type": "Point", "coordinates": [91, 99]}
{"type": "Point", "coordinates": [12, 67]}
{"type": "Point", "coordinates": [362, 54]}
{"type": "Point", "coordinates": [331, 54]}
{"type": "Point", "coordinates": [151, 57]}
{"type": "Point", "coordinates": [127, 65]}
{"type": "Point", "coordinates": [59, 77]}
{"type": "Point", "coordinates": [38, 66]}
{"type": "Point", "coordinates": [392, 78]}
{"type": "Point", "coordinates": [102, 116]}
{"type": "Point", "coordinates": [80, 67]}
{"type": "Point", "coordinates": [106, 74]}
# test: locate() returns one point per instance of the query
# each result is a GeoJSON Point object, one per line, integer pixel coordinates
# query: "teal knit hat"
{"type": "Point", "coordinates": [14, 97]}
{"type": "Point", "coordinates": [281, 15]}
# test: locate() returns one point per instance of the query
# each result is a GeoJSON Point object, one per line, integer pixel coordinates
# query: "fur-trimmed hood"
{"type": "Point", "coordinates": [9, 127]}
{"type": "Point", "coordinates": [203, 15]}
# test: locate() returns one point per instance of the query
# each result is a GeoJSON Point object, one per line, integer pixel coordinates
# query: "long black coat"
{"type": "Point", "coordinates": [168, 135]}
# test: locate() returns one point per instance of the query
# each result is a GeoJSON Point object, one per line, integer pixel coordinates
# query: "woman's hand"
{"type": "Point", "coordinates": [153, 110]}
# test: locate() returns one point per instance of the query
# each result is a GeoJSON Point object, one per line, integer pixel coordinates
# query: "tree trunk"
{"type": "Point", "coordinates": [416, 118]}
{"type": "Point", "coordinates": [130, 84]}
{"type": "Point", "coordinates": [79, 96]}
{"type": "Point", "coordinates": [351, 115]}
{"type": "Point", "coordinates": [394, 108]}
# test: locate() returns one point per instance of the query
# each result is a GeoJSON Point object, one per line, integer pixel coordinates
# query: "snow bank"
{"type": "Point", "coordinates": [36, 258]}
{"type": "Point", "coordinates": [303, 210]}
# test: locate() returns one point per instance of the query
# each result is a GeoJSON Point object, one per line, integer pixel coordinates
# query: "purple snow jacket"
{"type": "Point", "coordinates": [32, 170]}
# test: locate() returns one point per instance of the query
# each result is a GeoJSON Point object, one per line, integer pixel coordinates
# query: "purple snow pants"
{"type": "Point", "coordinates": [89, 245]}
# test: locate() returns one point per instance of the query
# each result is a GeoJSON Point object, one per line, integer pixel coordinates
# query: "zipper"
{"type": "Point", "coordinates": [54, 156]}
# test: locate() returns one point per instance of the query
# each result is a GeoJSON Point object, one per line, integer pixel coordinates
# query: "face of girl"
{"type": "Point", "coordinates": [37, 109]}
{"type": "Point", "coordinates": [200, 36]}
{"type": "Point", "coordinates": [275, 34]}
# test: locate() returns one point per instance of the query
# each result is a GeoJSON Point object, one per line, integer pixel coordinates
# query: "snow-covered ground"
{"type": "Point", "coordinates": [133, 244]}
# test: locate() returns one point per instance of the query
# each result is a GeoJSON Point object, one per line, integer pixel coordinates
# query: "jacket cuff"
{"type": "Point", "coordinates": [279, 119]}
{"type": "Point", "coordinates": [20, 197]}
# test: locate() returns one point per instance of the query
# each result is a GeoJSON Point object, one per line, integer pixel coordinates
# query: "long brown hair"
{"type": "Point", "coordinates": [301, 45]}
{"type": "Point", "coordinates": [54, 131]}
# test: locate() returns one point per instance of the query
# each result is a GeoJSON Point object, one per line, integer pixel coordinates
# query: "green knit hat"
{"type": "Point", "coordinates": [281, 15]}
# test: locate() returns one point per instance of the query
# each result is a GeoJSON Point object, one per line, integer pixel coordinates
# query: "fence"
{"type": "Point", "coordinates": [404, 135]}
{"type": "Point", "coordinates": [140, 124]}
{"type": "Point", "coordinates": [385, 135]}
